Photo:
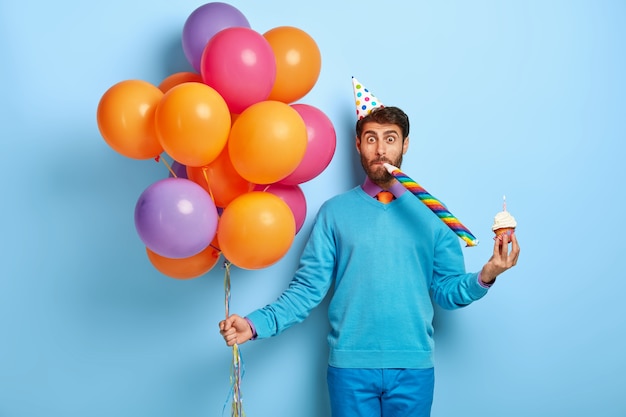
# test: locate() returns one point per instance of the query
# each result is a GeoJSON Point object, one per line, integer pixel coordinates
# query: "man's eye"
{"type": "Point", "coordinates": [391, 139]}
{"type": "Point", "coordinates": [371, 139]}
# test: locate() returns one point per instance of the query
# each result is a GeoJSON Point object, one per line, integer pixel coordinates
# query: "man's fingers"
{"type": "Point", "coordinates": [501, 245]}
{"type": "Point", "coordinates": [228, 332]}
{"type": "Point", "coordinates": [514, 250]}
{"type": "Point", "coordinates": [228, 329]}
{"type": "Point", "coordinates": [228, 323]}
{"type": "Point", "coordinates": [225, 325]}
{"type": "Point", "coordinates": [231, 338]}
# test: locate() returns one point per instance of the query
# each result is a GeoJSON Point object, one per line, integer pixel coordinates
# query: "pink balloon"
{"type": "Point", "coordinates": [290, 194]}
{"type": "Point", "coordinates": [322, 141]}
{"type": "Point", "coordinates": [239, 63]}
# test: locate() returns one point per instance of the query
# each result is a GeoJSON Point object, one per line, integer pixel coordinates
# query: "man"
{"type": "Point", "coordinates": [387, 262]}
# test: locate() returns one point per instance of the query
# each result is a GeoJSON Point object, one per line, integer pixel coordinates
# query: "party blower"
{"type": "Point", "coordinates": [435, 205]}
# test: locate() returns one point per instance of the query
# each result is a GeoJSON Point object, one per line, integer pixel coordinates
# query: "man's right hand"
{"type": "Point", "coordinates": [235, 329]}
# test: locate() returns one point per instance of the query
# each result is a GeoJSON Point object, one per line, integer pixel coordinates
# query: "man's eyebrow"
{"type": "Point", "coordinates": [386, 132]}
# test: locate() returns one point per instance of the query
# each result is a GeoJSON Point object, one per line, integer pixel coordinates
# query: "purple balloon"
{"type": "Point", "coordinates": [203, 23]}
{"type": "Point", "coordinates": [176, 218]}
{"type": "Point", "coordinates": [179, 170]}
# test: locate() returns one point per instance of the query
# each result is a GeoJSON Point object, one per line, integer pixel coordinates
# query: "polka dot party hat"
{"type": "Point", "coordinates": [364, 100]}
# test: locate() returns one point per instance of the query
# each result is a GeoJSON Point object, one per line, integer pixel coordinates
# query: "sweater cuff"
{"type": "Point", "coordinates": [254, 334]}
{"type": "Point", "coordinates": [484, 285]}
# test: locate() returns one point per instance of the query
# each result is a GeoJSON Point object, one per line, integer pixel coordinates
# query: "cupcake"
{"type": "Point", "coordinates": [503, 223]}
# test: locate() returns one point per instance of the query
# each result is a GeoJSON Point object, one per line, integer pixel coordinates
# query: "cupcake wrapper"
{"type": "Point", "coordinates": [503, 231]}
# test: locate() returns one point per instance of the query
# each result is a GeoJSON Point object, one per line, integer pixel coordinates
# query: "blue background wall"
{"type": "Point", "coordinates": [523, 98]}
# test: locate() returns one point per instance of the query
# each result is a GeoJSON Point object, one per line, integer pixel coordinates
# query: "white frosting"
{"type": "Point", "coordinates": [503, 220]}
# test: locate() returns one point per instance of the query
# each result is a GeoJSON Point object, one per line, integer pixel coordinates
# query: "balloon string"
{"type": "Point", "coordinates": [227, 287]}
{"type": "Point", "coordinates": [236, 376]}
{"type": "Point", "coordinates": [208, 186]}
{"type": "Point", "coordinates": [169, 168]}
{"type": "Point", "coordinates": [237, 368]}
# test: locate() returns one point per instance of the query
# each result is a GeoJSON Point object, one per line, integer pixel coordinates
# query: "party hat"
{"type": "Point", "coordinates": [364, 100]}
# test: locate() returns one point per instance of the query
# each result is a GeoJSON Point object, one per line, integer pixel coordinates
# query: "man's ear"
{"type": "Point", "coordinates": [357, 143]}
{"type": "Point", "coordinates": [405, 146]}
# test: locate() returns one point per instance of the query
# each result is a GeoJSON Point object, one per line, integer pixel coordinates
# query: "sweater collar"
{"type": "Point", "coordinates": [372, 189]}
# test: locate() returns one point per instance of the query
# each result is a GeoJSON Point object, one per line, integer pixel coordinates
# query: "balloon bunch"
{"type": "Point", "coordinates": [239, 144]}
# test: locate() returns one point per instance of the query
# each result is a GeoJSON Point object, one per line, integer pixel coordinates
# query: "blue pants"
{"type": "Point", "coordinates": [380, 392]}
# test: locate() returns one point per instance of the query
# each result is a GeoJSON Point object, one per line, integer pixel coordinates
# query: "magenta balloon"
{"type": "Point", "coordinates": [203, 23]}
{"type": "Point", "coordinates": [290, 194]}
{"type": "Point", "coordinates": [239, 63]}
{"type": "Point", "coordinates": [176, 218]}
{"type": "Point", "coordinates": [321, 144]}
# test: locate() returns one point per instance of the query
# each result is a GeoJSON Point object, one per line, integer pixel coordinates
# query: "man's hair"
{"type": "Point", "coordinates": [386, 115]}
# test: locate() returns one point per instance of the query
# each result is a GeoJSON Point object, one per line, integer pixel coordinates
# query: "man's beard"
{"type": "Point", "coordinates": [379, 173]}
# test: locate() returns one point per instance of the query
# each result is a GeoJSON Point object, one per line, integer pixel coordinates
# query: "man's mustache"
{"type": "Point", "coordinates": [380, 161]}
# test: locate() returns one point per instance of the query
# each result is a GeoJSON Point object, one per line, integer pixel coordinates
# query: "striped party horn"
{"type": "Point", "coordinates": [435, 205]}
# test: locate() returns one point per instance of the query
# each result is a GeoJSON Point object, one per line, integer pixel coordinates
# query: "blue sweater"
{"type": "Point", "coordinates": [386, 263]}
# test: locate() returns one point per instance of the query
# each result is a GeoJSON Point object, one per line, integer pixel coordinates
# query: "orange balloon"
{"type": "Point", "coordinates": [222, 182]}
{"type": "Point", "coordinates": [298, 63]}
{"type": "Point", "coordinates": [126, 119]}
{"type": "Point", "coordinates": [216, 243]}
{"type": "Point", "coordinates": [185, 268]}
{"type": "Point", "coordinates": [178, 78]}
{"type": "Point", "coordinates": [193, 123]}
{"type": "Point", "coordinates": [267, 142]}
{"type": "Point", "coordinates": [256, 230]}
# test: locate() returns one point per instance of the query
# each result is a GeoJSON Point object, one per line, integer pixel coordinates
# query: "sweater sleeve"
{"type": "Point", "coordinates": [307, 289]}
{"type": "Point", "coordinates": [451, 286]}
